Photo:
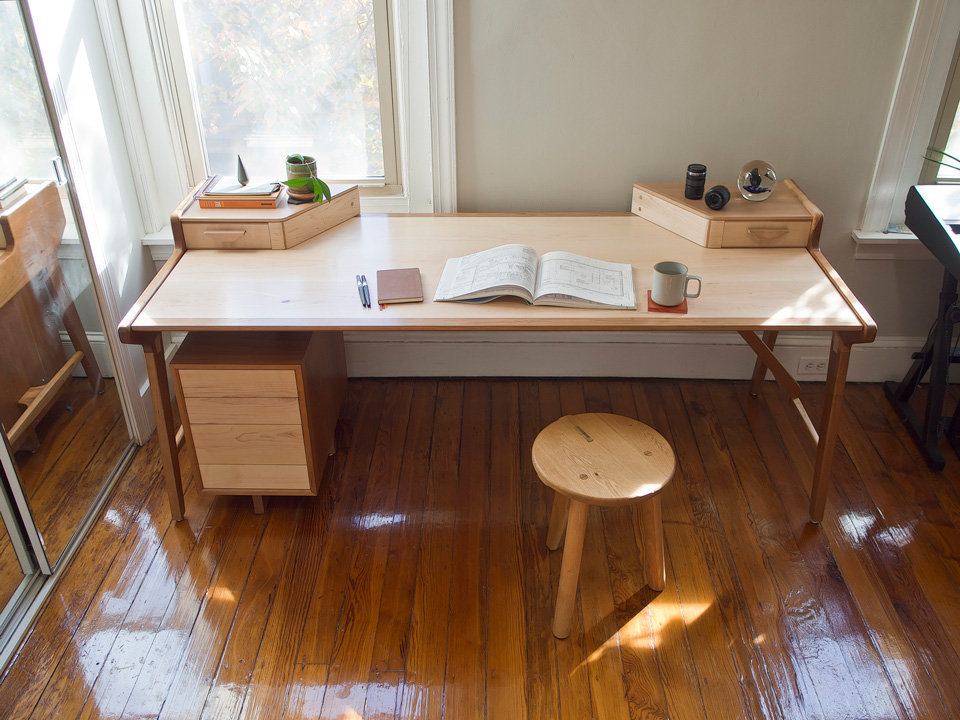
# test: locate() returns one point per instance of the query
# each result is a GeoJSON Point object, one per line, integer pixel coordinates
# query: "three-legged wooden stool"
{"type": "Point", "coordinates": [600, 459]}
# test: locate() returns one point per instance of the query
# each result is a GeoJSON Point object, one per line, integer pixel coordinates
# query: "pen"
{"type": "Point", "coordinates": [360, 290]}
{"type": "Point", "coordinates": [366, 291]}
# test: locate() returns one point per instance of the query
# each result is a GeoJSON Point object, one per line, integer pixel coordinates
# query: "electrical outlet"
{"type": "Point", "coordinates": [812, 366]}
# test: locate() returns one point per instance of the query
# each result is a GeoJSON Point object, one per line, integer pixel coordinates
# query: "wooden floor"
{"type": "Point", "coordinates": [418, 584]}
{"type": "Point", "coordinates": [82, 437]}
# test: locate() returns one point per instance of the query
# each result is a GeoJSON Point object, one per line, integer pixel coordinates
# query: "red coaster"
{"type": "Point", "coordinates": [680, 309]}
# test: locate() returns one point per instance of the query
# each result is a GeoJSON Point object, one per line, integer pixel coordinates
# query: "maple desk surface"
{"type": "Point", "coordinates": [313, 285]}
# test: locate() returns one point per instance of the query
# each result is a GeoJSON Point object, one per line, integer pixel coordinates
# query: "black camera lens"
{"type": "Point", "coordinates": [696, 179]}
{"type": "Point", "coordinates": [717, 197]}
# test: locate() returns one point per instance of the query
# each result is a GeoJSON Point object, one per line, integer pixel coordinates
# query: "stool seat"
{"type": "Point", "coordinates": [601, 459]}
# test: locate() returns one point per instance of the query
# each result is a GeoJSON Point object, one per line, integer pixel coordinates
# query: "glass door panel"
{"type": "Point", "coordinates": [59, 404]}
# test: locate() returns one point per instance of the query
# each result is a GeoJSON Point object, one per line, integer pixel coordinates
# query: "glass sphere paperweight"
{"type": "Point", "coordinates": [757, 180]}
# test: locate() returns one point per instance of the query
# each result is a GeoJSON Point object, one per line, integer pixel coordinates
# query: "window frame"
{"type": "Point", "coordinates": [421, 55]}
{"type": "Point", "coordinates": [185, 94]}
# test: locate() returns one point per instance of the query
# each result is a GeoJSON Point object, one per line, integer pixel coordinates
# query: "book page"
{"type": "Point", "coordinates": [578, 281]}
{"type": "Point", "coordinates": [504, 270]}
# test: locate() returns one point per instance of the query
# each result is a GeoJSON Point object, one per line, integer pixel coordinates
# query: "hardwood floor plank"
{"type": "Point", "coordinates": [396, 605]}
{"type": "Point", "coordinates": [506, 629]}
{"type": "Point", "coordinates": [631, 597]}
{"type": "Point", "coordinates": [426, 654]}
{"type": "Point", "coordinates": [197, 667]}
{"type": "Point", "coordinates": [572, 672]}
{"type": "Point", "coordinates": [326, 603]}
{"type": "Point", "coordinates": [231, 677]}
{"type": "Point", "coordinates": [353, 648]}
{"type": "Point", "coordinates": [157, 661]}
{"type": "Point", "coordinates": [383, 695]}
{"type": "Point", "coordinates": [464, 684]}
{"type": "Point", "coordinates": [703, 573]}
{"type": "Point", "coordinates": [295, 610]}
{"type": "Point", "coordinates": [307, 692]}
{"type": "Point", "coordinates": [541, 691]}
{"type": "Point", "coordinates": [25, 679]}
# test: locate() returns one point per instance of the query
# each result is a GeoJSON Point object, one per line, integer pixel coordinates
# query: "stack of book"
{"type": "Point", "coordinates": [227, 192]}
{"type": "Point", "coordinates": [11, 190]}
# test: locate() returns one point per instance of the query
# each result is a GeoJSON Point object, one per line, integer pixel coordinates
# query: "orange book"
{"type": "Point", "coordinates": [238, 202]}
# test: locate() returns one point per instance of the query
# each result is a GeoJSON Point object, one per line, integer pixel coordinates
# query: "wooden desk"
{"type": "Point", "coordinates": [313, 287]}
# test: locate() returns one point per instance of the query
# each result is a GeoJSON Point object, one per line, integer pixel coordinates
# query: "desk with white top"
{"type": "Point", "coordinates": [312, 287]}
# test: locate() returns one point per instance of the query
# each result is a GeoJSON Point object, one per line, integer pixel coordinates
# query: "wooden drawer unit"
{"type": "Point", "coordinates": [787, 219]}
{"type": "Point", "coordinates": [279, 228]}
{"type": "Point", "coordinates": [259, 410]}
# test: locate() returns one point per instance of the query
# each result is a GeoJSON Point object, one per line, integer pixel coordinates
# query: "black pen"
{"type": "Point", "coordinates": [366, 291]}
{"type": "Point", "coordinates": [360, 290]}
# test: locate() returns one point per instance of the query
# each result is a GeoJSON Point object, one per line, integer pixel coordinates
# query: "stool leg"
{"type": "Point", "coordinates": [558, 520]}
{"type": "Point", "coordinates": [654, 571]}
{"type": "Point", "coordinates": [570, 568]}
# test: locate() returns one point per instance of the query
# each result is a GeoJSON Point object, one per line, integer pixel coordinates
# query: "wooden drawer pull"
{"type": "Point", "coordinates": [225, 232]}
{"type": "Point", "coordinates": [767, 234]}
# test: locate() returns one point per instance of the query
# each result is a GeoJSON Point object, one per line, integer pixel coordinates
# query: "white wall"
{"type": "Point", "coordinates": [564, 105]}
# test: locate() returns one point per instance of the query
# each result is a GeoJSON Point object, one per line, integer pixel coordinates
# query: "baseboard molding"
{"type": "Point", "coordinates": [708, 355]}
{"type": "Point", "coordinates": [713, 355]}
{"type": "Point", "coordinates": [101, 352]}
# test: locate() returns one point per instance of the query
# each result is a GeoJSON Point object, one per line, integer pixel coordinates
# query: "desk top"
{"type": "Point", "coordinates": [313, 285]}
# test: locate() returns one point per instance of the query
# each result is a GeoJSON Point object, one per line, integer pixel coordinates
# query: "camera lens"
{"type": "Point", "coordinates": [717, 197]}
{"type": "Point", "coordinates": [696, 179]}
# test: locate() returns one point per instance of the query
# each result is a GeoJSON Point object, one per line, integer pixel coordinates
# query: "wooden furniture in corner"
{"type": "Point", "coordinates": [34, 300]}
{"type": "Point", "coordinates": [259, 410]}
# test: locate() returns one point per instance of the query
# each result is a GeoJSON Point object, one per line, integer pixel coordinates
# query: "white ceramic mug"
{"type": "Point", "coordinates": [671, 284]}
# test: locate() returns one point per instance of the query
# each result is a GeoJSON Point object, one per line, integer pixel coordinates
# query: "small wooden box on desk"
{"type": "Point", "coordinates": [259, 410]}
{"type": "Point", "coordinates": [786, 219]}
{"type": "Point", "coordinates": [279, 228]}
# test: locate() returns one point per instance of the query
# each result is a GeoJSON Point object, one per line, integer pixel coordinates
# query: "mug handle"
{"type": "Point", "coordinates": [687, 283]}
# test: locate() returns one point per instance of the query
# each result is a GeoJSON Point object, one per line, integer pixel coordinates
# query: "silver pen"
{"type": "Point", "coordinates": [366, 291]}
{"type": "Point", "coordinates": [360, 290]}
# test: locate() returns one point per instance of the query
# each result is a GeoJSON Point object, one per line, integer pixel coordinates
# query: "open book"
{"type": "Point", "coordinates": [556, 278]}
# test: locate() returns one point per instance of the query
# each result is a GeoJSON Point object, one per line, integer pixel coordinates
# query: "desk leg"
{"type": "Point", "coordinates": [760, 369]}
{"type": "Point", "coordinates": [163, 412]}
{"type": "Point", "coordinates": [830, 424]}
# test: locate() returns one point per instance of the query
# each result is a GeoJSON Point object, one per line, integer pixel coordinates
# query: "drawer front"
{"type": "Point", "coordinates": [249, 444]}
{"type": "Point", "coordinates": [772, 233]}
{"type": "Point", "coordinates": [219, 236]}
{"type": "Point", "coordinates": [256, 479]}
{"type": "Point", "coordinates": [243, 411]}
{"type": "Point", "coordinates": [238, 383]}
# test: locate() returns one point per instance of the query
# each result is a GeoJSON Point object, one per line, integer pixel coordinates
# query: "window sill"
{"type": "Point", "coordinates": [888, 246]}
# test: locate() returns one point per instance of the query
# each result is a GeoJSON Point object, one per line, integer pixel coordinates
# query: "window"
{"type": "Point", "coordinates": [946, 133]}
{"type": "Point", "coordinates": [263, 80]}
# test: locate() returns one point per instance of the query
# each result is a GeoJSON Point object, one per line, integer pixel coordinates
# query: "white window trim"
{"type": "Point", "coordinates": [423, 73]}
{"type": "Point", "coordinates": [923, 74]}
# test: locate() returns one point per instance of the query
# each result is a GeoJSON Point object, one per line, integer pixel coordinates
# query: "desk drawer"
{"type": "Point", "coordinates": [238, 383]}
{"type": "Point", "coordinates": [249, 445]}
{"type": "Point", "coordinates": [224, 236]}
{"type": "Point", "coordinates": [773, 233]}
{"type": "Point", "coordinates": [257, 479]}
{"type": "Point", "coordinates": [243, 410]}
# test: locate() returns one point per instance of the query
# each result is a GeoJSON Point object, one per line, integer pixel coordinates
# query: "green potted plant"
{"type": "Point", "coordinates": [302, 179]}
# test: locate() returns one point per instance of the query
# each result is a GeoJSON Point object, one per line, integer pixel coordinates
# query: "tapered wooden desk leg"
{"type": "Point", "coordinates": [760, 368]}
{"type": "Point", "coordinates": [257, 504]}
{"type": "Point", "coordinates": [830, 424]}
{"type": "Point", "coordinates": [570, 568]}
{"type": "Point", "coordinates": [558, 520]}
{"type": "Point", "coordinates": [75, 330]}
{"type": "Point", "coordinates": [654, 570]}
{"type": "Point", "coordinates": [163, 412]}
